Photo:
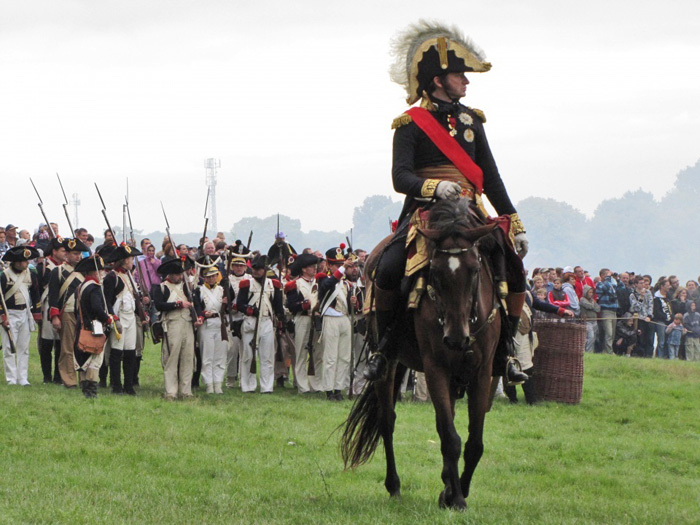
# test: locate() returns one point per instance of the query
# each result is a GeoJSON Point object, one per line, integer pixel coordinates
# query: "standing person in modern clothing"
{"type": "Point", "coordinates": [623, 291]}
{"type": "Point", "coordinates": [581, 280]}
{"type": "Point", "coordinates": [21, 296]}
{"type": "Point", "coordinates": [691, 322]}
{"type": "Point", "coordinates": [642, 309]}
{"type": "Point", "coordinates": [607, 299]}
{"type": "Point", "coordinates": [662, 316]}
{"type": "Point", "coordinates": [674, 332]}
{"type": "Point", "coordinates": [589, 311]}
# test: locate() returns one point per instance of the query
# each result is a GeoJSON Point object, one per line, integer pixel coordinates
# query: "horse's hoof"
{"type": "Point", "coordinates": [447, 502]}
{"type": "Point", "coordinates": [442, 500]}
{"type": "Point", "coordinates": [395, 495]}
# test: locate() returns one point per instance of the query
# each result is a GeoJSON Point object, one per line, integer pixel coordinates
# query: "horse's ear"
{"type": "Point", "coordinates": [474, 234]}
{"type": "Point", "coordinates": [433, 235]}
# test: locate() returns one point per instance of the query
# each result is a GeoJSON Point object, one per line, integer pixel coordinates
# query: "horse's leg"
{"type": "Point", "coordinates": [438, 380]}
{"type": "Point", "coordinates": [479, 400]}
{"type": "Point", "coordinates": [387, 419]}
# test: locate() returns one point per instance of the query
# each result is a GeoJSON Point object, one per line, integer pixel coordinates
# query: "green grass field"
{"type": "Point", "coordinates": [629, 453]}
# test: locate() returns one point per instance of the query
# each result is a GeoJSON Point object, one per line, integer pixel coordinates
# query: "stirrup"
{"type": "Point", "coordinates": [518, 369]}
{"type": "Point", "coordinates": [377, 364]}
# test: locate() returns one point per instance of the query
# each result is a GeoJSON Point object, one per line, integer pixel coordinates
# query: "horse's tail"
{"type": "Point", "coordinates": [362, 430]}
{"type": "Point", "coordinates": [363, 427]}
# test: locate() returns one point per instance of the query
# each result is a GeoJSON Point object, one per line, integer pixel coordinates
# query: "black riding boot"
{"type": "Point", "coordinates": [104, 371]}
{"type": "Point", "coordinates": [45, 348]}
{"type": "Point", "coordinates": [529, 387]}
{"type": "Point", "coordinates": [92, 388]}
{"type": "Point", "coordinates": [57, 354]}
{"type": "Point", "coordinates": [137, 369]}
{"type": "Point", "coordinates": [197, 366]}
{"type": "Point", "coordinates": [115, 364]}
{"type": "Point", "coordinates": [386, 316]}
{"type": "Point", "coordinates": [129, 365]}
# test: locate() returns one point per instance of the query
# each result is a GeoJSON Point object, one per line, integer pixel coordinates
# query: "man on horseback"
{"type": "Point", "coordinates": [440, 151]}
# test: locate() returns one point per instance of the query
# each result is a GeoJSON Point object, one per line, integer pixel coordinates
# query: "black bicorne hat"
{"type": "Point", "coordinates": [21, 253]}
{"type": "Point", "coordinates": [121, 252]}
{"type": "Point", "coordinates": [302, 261]}
{"type": "Point", "coordinates": [260, 261]}
{"type": "Point", "coordinates": [54, 244]}
{"type": "Point", "coordinates": [175, 265]}
{"type": "Point", "coordinates": [75, 245]}
{"type": "Point", "coordinates": [90, 264]}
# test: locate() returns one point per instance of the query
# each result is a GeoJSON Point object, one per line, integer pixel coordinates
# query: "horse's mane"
{"type": "Point", "coordinates": [446, 216]}
{"type": "Point", "coordinates": [454, 218]}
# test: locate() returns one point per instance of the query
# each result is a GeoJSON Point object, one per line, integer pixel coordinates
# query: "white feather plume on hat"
{"type": "Point", "coordinates": [408, 43]}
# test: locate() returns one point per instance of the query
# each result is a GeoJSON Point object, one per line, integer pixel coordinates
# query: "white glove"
{"type": "Point", "coordinates": [448, 190]}
{"type": "Point", "coordinates": [521, 244]}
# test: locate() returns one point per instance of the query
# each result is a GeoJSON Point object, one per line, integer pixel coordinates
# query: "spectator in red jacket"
{"type": "Point", "coordinates": [582, 280]}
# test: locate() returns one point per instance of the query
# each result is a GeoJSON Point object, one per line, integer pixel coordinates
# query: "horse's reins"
{"type": "Point", "coordinates": [475, 286]}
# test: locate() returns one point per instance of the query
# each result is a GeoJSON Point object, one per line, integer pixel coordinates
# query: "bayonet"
{"type": "Point", "coordinates": [65, 206]}
{"type": "Point", "coordinates": [104, 214]}
{"type": "Point", "coordinates": [52, 234]}
{"type": "Point", "coordinates": [206, 222]}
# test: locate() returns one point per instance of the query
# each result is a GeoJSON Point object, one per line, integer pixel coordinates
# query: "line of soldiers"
{"type": "Point", "coordinates": [217, 318]}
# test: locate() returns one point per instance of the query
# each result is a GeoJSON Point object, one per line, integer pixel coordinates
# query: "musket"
{"type": "Point", "coordinates": [352, 323]}
{"type": "Point", "coordinates": [65, 206]}
{"type": "Point", "coordinates": [52, 234]}
{"type": "Point", "coordinates": [206, 222]}
{"type": "Point", "coordinates": [104, 214]}
{"type": "Point", "coordinates": [104, 299]}
{"type": "Point", "coordinates": [311, 368]}
{"type": "Point", "coordinates": [142, 277]}
{"type": "Point", "coordinates": [185, 280]}
{"type": "Point", "coordinates": [250, 239]}
{"type": "Point", "coordinates": [13, 348]}
{"type": "Point", "coordinates": [138, 290]}
{"type": "Point", "coordinates": [255, 341]}
{"type": "Point", "coordinates": [222, 312]}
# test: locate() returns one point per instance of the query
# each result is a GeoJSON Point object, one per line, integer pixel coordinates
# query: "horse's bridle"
{"type": "Point", "coordinates": [475, 286]}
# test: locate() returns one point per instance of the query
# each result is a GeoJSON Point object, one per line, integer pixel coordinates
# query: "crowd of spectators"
{"type": "Point", "coordinates": [625, 313]}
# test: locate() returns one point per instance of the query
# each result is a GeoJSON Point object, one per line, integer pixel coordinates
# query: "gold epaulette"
{"type": "Point", "coordinates": [479, 114]}
{"type": "Point", "coordinates": [401, 120]}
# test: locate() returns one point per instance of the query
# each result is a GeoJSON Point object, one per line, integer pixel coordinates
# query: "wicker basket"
{"type": "Point", "coordinates": [558, 360]}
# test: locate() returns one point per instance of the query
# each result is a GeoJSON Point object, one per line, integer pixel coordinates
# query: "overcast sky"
{"type": "Point", "coordinates": [585, 101]}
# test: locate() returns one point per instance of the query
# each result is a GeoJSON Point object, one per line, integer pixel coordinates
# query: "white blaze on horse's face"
{"type": "Point", "coordinates": [453, 263]}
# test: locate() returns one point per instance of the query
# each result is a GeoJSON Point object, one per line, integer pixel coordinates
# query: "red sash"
{"type": "Point", "coordinates": [448, 145]}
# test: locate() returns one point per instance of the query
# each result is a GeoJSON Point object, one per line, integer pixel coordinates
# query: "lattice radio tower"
{"type": "Point", "coordinates": [211, 165]}
{"type": "Point", "coordinates": [75, 202]}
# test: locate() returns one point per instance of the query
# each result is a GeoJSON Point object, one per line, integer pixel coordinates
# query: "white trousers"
{"type": "Point", "coordinates": [213, 351]}
{"type": "Point", "coordinates": [17, 365]}
{"type": "Point", "coordinates": [302, 330]}
{"type": "Point", "coordinates": [265, 351]}
{"type": "Point", "coordinates": [336, 352]}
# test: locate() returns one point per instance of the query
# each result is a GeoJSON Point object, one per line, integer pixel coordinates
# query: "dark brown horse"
{"type": "Point", "coordinates": [452, 337]}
